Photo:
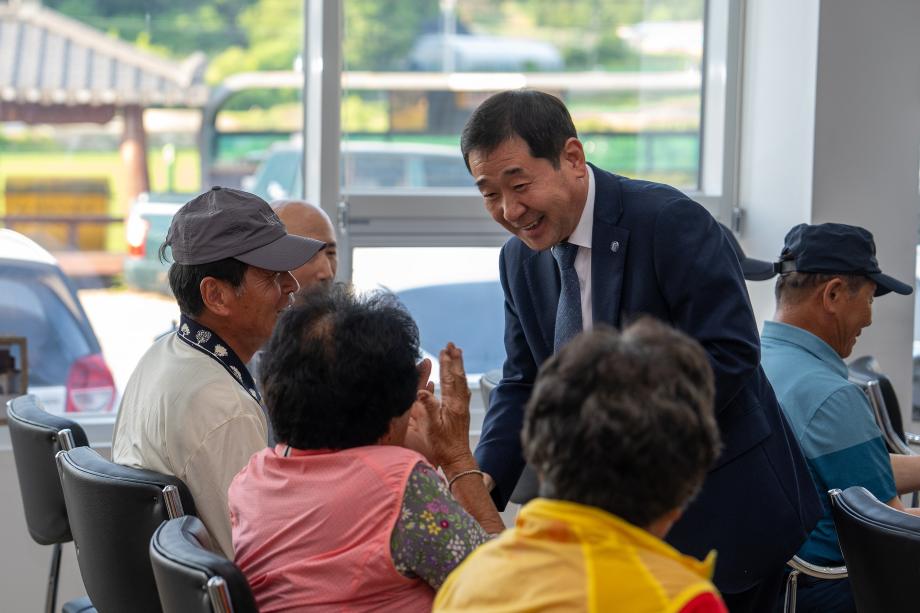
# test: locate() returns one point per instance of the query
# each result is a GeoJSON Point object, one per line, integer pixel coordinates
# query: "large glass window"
{"type": "Point", "coordinates": [630, 72]}
{"type": "Point", "coordinates": [638, 78]}
{"type": "Point", "coordinates": [650, 85]}
{"type": "Point", "coordinates": [113, 114]}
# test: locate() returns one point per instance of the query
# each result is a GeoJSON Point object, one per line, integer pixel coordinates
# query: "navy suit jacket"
{"type": "Point", "coordinates": [656, 252]}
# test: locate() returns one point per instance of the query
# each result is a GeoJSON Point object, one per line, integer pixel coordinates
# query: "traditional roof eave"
{"type": "Point", "coordinates": [48, 58]}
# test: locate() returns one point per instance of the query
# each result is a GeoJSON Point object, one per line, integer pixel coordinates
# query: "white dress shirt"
{"type": "Point", "coordinates": [582, 237]}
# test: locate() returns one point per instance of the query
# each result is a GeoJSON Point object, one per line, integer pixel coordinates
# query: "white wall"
{"type": "Point", "coordinates": [831, 132]}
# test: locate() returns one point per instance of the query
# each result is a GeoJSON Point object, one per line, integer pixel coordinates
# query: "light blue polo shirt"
{"type": "Point", "coordinates": [833, 422]}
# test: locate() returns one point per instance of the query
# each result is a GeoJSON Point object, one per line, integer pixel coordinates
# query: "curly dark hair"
{"type": "Point", "coordinates": [624, 421]}
{"type": "Point", "coordinates": [339, 367]}
{"type": "Point", "coordinates": [539, 119]}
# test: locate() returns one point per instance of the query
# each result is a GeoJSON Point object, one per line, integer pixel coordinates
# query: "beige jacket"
{"type": "Point", "coordinates": [183, 414]}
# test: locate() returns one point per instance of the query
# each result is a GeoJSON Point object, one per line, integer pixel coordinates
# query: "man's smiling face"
{"type": "Point", "coordinates": [530, 198]}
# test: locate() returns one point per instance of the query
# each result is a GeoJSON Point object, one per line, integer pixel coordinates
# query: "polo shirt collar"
{"type": "Point", "coordinates": [209, 343]}
{"type": "Point", "coordinates": [794, 335]}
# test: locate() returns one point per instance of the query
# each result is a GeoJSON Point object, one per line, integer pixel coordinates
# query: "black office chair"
{"type": "Point", "coordinates": [36, 436]}
{"type": "Point", "coordinates": [865, 372]}
{"type": "Point", "coordinates": [191, 577]}
{"type": "Point", "coordinates": [113, 512]}
{"type": "Point", "coordinates": [881, 547]}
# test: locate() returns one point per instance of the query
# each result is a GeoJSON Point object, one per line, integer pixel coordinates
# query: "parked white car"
{"type": "Point", "coordinates": [66, 369]}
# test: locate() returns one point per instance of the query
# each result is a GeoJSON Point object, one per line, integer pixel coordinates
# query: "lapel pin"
{"type": "Point", "coordinates": [615, 246]}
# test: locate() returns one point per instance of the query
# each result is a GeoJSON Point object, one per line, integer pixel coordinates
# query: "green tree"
{"type": "Point", "coordinates": [171, 28]}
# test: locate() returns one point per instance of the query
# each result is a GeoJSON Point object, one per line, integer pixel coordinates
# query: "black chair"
{"type": "Point", "coordinates": [881, 547]}
{"type": "Point", "coordinates": [865, 372]}
{"type": "Point", "coordinates": [528, 486]}
{"type": "Point", "coordinates": [798, 566]}
{"type": "Point", "coordinates": [36, 436]}
{"type": "Point", "coordinates": [191, 577]}
{"type": "Point", "coordinates": [113, 512]}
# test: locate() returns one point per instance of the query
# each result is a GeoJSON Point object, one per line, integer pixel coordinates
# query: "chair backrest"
{"type": "Point", "coordinates": [34, 437]}
{"type": "Point", "coordinates": [113, 511]}
{"type": "Point", "coordinates": [881, 547]}
{"type": "Point", "coordinates": [864, 371]}
{"type": "Point", "coordinates": [190, 576]}
{"type": "Point", "coordinates": [487, 383]}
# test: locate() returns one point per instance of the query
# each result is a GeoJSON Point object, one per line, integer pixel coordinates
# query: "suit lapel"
{"type": "Point", "coordinates": [609, 245]}
{"type": "Point", "coordinates": [542, 276]}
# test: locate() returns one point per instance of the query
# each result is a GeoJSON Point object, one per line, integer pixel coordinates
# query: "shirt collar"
{"type": "Point", "coordinates": [209, 343]}
{"type": "Point", "coordinates": [581, 236]}
{"type": "Point", "coordinates": [784, 333]}
{"type": "Point", "coordinates": [560, 520]}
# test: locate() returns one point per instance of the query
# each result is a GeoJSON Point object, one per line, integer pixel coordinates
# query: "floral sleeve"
{"type": "Point", "coordinates": [433, 533]}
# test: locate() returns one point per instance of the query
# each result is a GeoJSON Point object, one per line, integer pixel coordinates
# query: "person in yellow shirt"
{"type": "Point", "coordinates": [621, 431]}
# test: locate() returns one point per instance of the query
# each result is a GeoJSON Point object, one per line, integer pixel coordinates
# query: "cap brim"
{"type": "Point", "coordinates": [885, 284]}
{"type": "Point", "coordinates": [757, 270]}
{"type": "Point", "coordinates": [287, 253]}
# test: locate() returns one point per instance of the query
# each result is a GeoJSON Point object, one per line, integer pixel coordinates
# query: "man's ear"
{"type": "Point", "coordinates": [832, 295]}
{"type": "Point", "coordinates": [573, 156]}
{"type": "Point", "coordinates": [216, 295]}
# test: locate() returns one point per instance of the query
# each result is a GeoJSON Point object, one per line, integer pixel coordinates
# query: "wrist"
{"type": "Point", "coordinates": [459, 464]}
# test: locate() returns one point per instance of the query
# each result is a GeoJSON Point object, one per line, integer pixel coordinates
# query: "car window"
{"type": "Point", "coordinates": [30, 307]}
{"type": "Point", "coordinates": [376, 170]}
{"type": "Point", "coordinates": [277, 174]}
{"type": "Point", "coordinates": [446, 172]}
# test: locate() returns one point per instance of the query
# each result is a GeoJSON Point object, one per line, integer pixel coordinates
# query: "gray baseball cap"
{"type": "Point", "coordinates": [229, 223]}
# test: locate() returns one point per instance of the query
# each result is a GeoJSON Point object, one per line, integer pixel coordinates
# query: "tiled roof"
{"type": "Point", "coordinates": [47, 58]}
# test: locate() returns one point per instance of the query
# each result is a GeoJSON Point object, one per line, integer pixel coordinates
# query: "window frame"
{"type": "Point", "coordinates": [456, 217]}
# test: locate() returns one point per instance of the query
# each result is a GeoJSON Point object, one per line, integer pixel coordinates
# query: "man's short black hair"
{"type": "Point", "coordinates": [539, 119]}
{"type": "Point", "coordinates": [185, 280]}
{"type": "Point", "coordinates": [624, 421]}
{"type": "Point", "coordinates": [793, 288]}
{"type": "Point", "coordinates": [338, 368]}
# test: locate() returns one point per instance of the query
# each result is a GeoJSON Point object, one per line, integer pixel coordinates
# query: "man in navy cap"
{"type": "Point", "coordinates": [191, 408]}
{"type": "Point", "coordinates": [829, 276]}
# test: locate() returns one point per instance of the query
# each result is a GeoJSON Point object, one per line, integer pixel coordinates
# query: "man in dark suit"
{"type": "Point", "coordinates": [590, 246]}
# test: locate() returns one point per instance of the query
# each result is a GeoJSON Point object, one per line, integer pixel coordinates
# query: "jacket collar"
{"type": "Point", "coordinates": [209, 343]}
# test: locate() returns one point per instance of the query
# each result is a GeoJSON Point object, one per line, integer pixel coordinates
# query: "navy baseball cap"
{"type": "Point", "coordinates": [836, 248]}
{"type": "Point", "coordinates": [752, 269]}
{"type": "Point", "coordinates": [230, 223]}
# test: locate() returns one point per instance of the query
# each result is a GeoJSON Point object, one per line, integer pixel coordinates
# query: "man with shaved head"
{"type": "Point", "coordinates": [303, 219]}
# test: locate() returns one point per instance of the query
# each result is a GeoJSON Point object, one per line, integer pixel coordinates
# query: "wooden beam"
{"type": "Point", "coordinates": [133, 151]}
{"type": "Point", "coordinates": [34, 113]}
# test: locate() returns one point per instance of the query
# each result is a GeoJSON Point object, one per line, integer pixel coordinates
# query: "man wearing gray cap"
{"type": "Point", "coordinates": [191, 409]}
{"type": "Point", "coordinates": [829, 276]}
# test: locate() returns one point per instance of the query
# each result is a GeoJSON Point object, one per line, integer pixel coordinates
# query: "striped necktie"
{"type": "Point", "coordinates": [568, 313]}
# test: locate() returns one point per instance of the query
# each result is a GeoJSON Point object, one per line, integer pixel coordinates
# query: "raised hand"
{"type": "Point", "coordinates": [440, 430]}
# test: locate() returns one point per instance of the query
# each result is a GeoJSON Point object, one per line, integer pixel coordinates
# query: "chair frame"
{"type": "Point", "coordinates": [800, 566]}
{"type": "Point", "coordinates": [172, 500]}
{"type": "Point", "coordinates": [183, 547]}
{"type": "Point", "coordinates": [65, 440]}
{"type": "Point", "coordinates": [219, 594]}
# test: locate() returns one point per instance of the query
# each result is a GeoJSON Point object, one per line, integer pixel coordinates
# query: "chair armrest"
{"type": "Point", "coordinates": [814, 570]}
